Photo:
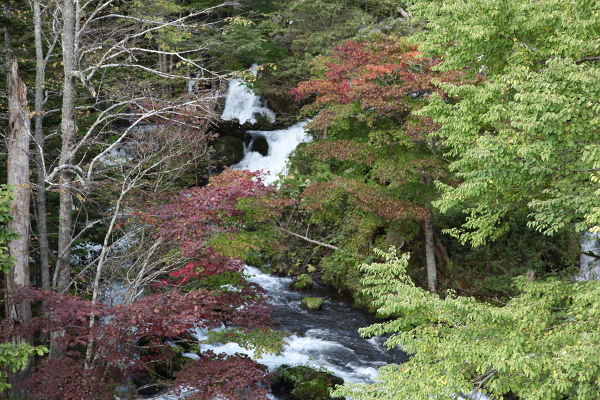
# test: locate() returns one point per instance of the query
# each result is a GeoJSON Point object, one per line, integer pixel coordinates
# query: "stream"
{"type": "Point", "coordinates": [327, 339]}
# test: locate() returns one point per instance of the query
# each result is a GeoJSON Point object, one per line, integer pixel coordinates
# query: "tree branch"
{"type": "Point", "coordinates": [329, 246]}
{"type": "Point", "coordinates": [585, 59]}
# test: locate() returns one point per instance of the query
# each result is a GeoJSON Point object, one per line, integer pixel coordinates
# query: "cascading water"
{"type": "Point", "coordinates": [589, 259]}
{"type": "Point", "coordinates": [281, 144]}
{"type": "Point", "coordinates": [242, 104]}
{"type": "Point", "coordinates": [317, 338]}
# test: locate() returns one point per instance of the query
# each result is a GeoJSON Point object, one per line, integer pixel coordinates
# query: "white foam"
{"type": "Point", "coordinates": [281, 144]}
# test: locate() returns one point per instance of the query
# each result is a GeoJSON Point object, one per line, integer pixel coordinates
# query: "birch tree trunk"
{"type": "Point", "coordinates": [68, 132]}
{"type": "Point", "coordinates": [18, 177]}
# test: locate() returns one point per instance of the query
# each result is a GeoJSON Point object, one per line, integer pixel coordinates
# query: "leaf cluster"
{"type": "Point", "coordinates": [540, 345]}
{"type": "Point", "coordinates": [527, 133]}
{"type": "Point", "coordinates": [5, 234]}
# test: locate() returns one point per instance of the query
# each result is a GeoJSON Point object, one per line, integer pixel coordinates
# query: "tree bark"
{"type": "Point", "coordinates": [68, 132]}
{"type": "Point", "coordinates": [329, 246]}
{"type": "Point", "coordinates": [430, 253]}
{"type": "Point", "coordinates": [18, 178]}
{"type": "Point", "coordinates": [40, 192]}
{"type": "Point", "coordinates": [444, 257]}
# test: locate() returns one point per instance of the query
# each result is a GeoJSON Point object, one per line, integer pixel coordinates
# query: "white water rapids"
{"type": "Point", "coordinates": [281, 144]}
{"type": "Point", "coordinates": [318, 339]}
{"type": "Point", "coordinates": [242, 104]}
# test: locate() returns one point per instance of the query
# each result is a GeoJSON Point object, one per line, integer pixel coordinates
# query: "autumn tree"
{"type": "Point", "coordinates": [201, 288]}
{"type": "Point", "coordinates": [365, 97]}
{"type": "Point", "coordinates": [119, 133]}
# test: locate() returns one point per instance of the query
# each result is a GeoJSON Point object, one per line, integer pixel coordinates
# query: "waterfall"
{"type": "Point", "coordinates": [243, 104]}
{"type": "Point", "coordinates": [281, 144]}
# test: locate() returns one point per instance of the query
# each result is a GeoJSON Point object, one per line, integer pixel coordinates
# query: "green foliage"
{"type": "Point", "coordinates": [14, 357]}
{"type": "Point", "coordinates": [526, 135]}
{"type": "Point", "coordinates": [540, 345]}
{"type": "Point", "coordinates": [486, 272]}
{"type": "Point", "coordinates": [303, 282]}
{"type": "Point", "coordinates": [339, 270]}
{"type": "Point", "coordinates": [5, 234]}
{"type": "Point", "coordinates": [373, 166]}
{"type": "Point", "coordinates": [259, 341]}
{"type": "Point", "coordinates": [505, 35]}
{"type": "Point", "coordinates": [298, 30]}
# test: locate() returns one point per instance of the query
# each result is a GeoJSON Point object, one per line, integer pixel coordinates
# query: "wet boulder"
{"type": "Point", "coordinates": [303, 383]}
{"type": "Point", "coordinates": [260, 145]}
{"type": "Point", "coordinates": [312, 303]}
{"type": "Point", "coordinates": [229, 149]}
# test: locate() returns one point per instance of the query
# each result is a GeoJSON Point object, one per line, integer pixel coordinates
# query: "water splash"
{"type": "Point", "coordinates": [245, 106]}
{"type": "Point", "coordinates": [281, 144]}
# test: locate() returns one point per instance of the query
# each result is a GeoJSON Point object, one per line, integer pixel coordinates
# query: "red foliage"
{"type": "Point", "coordinates": [367, 198]}
{"type": "Point", "coordinates": [384, 78]}
{"type": "Point", "coordinates": [206, 262]}
{"type": "Point", "coordinates": [219, 376]}
{"type": "Point", "coordinates": [102, 355]}
{"type": "Point", "coordinates": [196, 215]}
{"type": "Point", "coordinates": [116, 353]}
{"type": "Point", "coordinates": [68, 379]}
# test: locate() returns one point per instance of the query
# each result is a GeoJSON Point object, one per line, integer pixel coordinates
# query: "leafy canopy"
{"type": "Point", "coordinates": [528, 134]}
{"type": "Point", "coordinates": [541, 345]}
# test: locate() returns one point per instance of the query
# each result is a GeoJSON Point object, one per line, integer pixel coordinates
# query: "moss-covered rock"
{"type": "Point", "coordinates": [303, 383]}
{"type": "Point", "coordinates": [230, 150]}
{"type": "Point", "coordinates": [303, 282]}
{"type": "Point", "coordinates": [312, 303]}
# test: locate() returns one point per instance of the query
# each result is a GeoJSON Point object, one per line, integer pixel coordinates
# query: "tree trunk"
{"type": "Point", "coordinates": [40, 192]}
{"type": "Point", "coordinates": [18, 177]}
{"type": "Point", "coordinates": [430, 254]}
{"type": "Point", "coordinates": [444, 257]}
{"type": "Point", "coordinates": [68, 132]}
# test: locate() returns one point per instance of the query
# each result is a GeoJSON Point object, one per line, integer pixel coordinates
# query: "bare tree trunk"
{"type": "Point", "coordinates": [7, 35]}
{"type": "Point", "coordinates": [430, 254]}
{"type": "Point", "coordinates": [329, 246]}
{"type": "Point", "coordinates": [40, 193]}
{"type": "Point", "coordinates": [18, 177]}
{"type": "Point", "coordinates": [68, 131]}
